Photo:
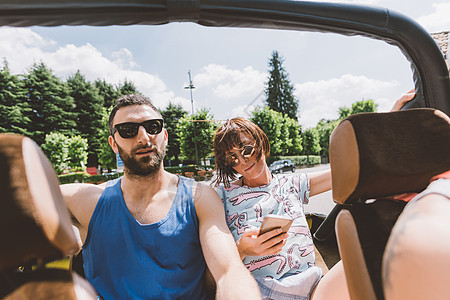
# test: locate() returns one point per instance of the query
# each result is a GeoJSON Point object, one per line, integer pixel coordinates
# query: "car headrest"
{"type": "Point", "coordinates": [374, 155]}
{"type": "Point", "coordinates": [34, 221]}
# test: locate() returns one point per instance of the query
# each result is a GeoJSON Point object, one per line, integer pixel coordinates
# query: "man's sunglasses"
{"type": "Point", "coordinates": [232, 160]}
{"type": "Point", "coordinates": [129, 130]}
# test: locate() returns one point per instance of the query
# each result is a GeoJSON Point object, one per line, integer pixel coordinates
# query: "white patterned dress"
{"type": "Point", "coordinates": [291, 273]}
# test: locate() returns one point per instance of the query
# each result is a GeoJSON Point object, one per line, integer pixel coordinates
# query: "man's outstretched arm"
{"type": "Point", "coordinates": [81, 199]}
{"type": "Point", "coordinates": [233, 280]}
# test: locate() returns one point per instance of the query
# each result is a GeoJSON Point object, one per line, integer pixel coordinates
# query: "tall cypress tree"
{"type": "Point", "coordinates": [279, 90]}
{"type": "Point", "coordinates": [89, 109]}
{"type": "Point", "coordinates": [50, 102]}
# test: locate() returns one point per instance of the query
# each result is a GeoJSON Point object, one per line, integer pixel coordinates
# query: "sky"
{"type": "Point", "coordinates": [229, 66]}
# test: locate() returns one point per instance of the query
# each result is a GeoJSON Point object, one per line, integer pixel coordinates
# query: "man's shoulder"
{"type": "Point", "coordinates": [203, 192]}
{"type": "Point", "coordinates": [83, 186]}
{"type": "Point", "coordinates": [202, 187]}
{"type": "Point", "coordinates": [81, 200]}
{"type": "Point", "coordinates": [82, 191]}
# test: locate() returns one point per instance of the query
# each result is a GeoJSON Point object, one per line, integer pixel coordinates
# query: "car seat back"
{"type": "Point", "coordinates": [35, 226]}
{"type": "Point", "coordinates": [374, 156]}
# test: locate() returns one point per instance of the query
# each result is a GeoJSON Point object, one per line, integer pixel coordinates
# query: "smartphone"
{"type": "Point", "coordinates": [271, 222]}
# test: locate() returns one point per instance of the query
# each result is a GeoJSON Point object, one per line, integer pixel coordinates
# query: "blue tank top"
{"type": "Point", "coordinates": [124, 259]}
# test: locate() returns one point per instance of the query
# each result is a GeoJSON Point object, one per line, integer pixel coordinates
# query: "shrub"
{"type": "Point", "coordinates": [71, 178]}
{"type": "Point", "coordinates": [182, 170]}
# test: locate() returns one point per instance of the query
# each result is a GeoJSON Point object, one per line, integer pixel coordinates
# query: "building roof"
{"type": "Point", "coordinates": [442, 39]}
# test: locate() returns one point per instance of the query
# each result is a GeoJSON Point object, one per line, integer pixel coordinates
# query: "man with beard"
{"type": "Point", "coordinates": [151, 234]}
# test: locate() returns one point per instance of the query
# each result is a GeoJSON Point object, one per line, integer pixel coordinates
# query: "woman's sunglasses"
{"type": "Point", "coordinates": [129, 130]}
{"type": "Point", "coordinates": [232, 160]}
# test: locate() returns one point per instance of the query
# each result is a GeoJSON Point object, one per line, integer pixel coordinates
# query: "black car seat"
{"type": "Point", "coordinates": [35, 227]}
{"type": "Point", "coordinates": [374, 157]}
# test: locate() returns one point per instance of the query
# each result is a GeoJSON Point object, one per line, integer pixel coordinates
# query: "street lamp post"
{"type": "Point", "coordinates": [190, 87]}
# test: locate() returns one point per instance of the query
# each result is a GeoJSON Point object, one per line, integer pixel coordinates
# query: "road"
{"type": "Point", "coordinates": [322, 203]}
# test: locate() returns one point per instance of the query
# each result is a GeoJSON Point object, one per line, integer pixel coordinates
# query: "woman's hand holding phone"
{"type": "Point", "coordinates": [253, 244]}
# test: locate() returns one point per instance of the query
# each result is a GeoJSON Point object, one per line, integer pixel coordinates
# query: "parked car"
{"type": "Point", "coordinates": [281, 166]}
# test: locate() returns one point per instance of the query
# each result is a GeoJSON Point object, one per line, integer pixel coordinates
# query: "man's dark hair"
{"type": "Point", "coordinates": [128, 100]}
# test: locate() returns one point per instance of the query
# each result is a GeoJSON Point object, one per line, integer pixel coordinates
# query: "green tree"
{"type": "Point", "coordinates": [56, 149]}
{"type": "Point", "coordinates": [65, 152]}
{"type": "Point", "coordinates": [106, 157]}
{"type": "Point", "coordinates": [271, 122]}
{"type": "Point", "coordinates": [50, 102]}
{"type": "Point", "coordinates": [279, 90]}
{"type": "Point", "coordinates": [88, 108]}
{"type": "Point", "coordinates": [127, 88]}
{"type": "Point", "coordinates": [107, 91]}
{"type": "Point", "coordinates": [311, 145]}
{"type": "Point", "coordinates": [358, 107]}
{"type": "Point", "coordinates": [294, 145]}
{"type": "Point", "coordinates": [13, 104]}
{"type": "Point", "coordinates": [77, 153]}
{"type": "Point", "coordinates": [172, 114]}
{"type": "Point", "coordinates": [284, 133]}
{"type": "Point", "coordinates": [324, 129]}
{"type": "Point", "coordinates": [197, 128]}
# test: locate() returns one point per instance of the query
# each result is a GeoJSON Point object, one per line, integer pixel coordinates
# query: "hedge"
{"type": "Point", "coordinates": [84, 177]}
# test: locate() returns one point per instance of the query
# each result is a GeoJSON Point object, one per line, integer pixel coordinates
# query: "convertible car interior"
{"type": "Point", "coordinates": [373, 156]}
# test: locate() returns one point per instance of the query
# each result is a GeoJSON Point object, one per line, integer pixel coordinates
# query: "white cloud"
{"type": "Point", "coordinates": [124, 58]}
{"type": "Point", "coordinates": [322, 99]}
{"type": "Point", "coordinates": [22, 47]}
{"type": "Point", "coordinates": [229, 84]}
{"type": "Point", "coordinates": [318, 99]}
{"type": "Point", "coordinates": [243, 111]}
{"type": "Point", "coordinates": [439, 19]}
{"type": "Point", "coordinates": [185, 103]}
{"type": "Point", "coordinates": [228, 92]}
